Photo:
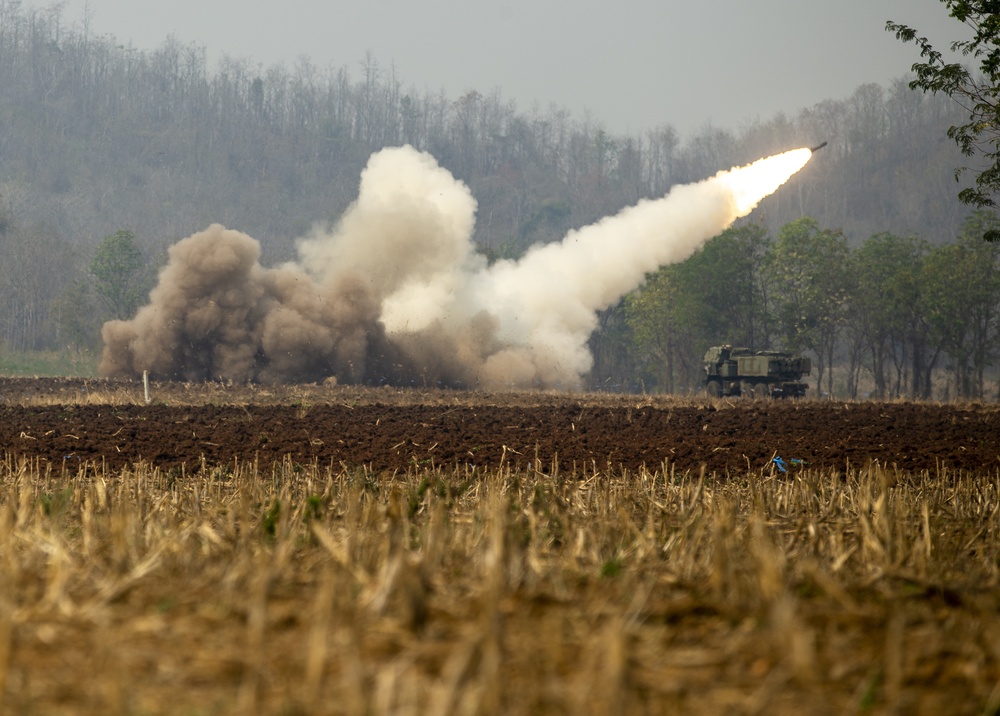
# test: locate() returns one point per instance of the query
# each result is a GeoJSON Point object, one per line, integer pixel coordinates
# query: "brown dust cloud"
{"type": "Point", "coordinates": [395, 292]}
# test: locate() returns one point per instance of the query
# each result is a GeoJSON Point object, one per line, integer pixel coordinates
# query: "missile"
{"type": "Point", "coordinates": [818, 147]}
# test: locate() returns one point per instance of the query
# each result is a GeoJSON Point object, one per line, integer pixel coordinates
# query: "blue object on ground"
{"type": "Point", "coordinates": [777, 460]}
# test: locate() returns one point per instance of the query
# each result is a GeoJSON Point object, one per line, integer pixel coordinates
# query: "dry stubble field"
{"type": "Point", "coordinates": [313, 549]}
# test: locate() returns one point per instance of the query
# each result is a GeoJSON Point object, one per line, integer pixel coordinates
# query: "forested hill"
{"type": "Point", "coordinates": [97, 136]}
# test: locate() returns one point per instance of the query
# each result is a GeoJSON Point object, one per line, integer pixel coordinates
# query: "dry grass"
{"type": "Point", "coordinates": [306, 590]}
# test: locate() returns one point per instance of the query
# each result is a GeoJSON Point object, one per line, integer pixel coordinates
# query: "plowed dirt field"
{"type": "Point", "coordinates": [68, 422]}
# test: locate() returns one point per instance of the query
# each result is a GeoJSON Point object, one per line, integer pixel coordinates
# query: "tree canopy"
{"type": "Point", "coordinates": [976, 90]}
{"type": "Point", "coordinates": [117, 270]}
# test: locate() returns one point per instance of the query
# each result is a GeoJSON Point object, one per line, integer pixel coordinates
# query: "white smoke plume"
{"type": "Point", "coordinates": [396, 292]}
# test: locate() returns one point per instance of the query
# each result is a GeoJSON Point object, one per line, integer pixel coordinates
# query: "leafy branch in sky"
{"type": "Point", "coordinates": [974, 90]}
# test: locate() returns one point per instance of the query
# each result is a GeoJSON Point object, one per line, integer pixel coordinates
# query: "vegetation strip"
{"type": "Point", "coordinates": [311, 590]}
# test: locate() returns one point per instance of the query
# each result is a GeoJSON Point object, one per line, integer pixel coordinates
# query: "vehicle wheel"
{"type": "Point", "coordinates": [714, 388]}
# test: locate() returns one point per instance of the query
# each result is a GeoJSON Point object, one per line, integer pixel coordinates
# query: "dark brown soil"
{"type": "Point", "coordinates": [393, 429]}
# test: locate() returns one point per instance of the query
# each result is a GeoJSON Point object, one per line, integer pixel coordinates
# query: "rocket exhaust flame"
{"type": "Point", "coordinates": [755, 181]}
{"type": "Point", "coordinates": [396, 293]}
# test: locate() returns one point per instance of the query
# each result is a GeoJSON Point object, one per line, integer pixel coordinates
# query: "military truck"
{"type": "Point", "coordinates": [741, 371]}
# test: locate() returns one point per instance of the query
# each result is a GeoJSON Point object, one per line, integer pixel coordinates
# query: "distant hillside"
{"type": "Point", "coordinates": [95, 137]}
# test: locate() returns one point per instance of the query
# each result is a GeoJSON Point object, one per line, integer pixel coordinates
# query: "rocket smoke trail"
{"type": "Point", "coordinates": [396, 292]}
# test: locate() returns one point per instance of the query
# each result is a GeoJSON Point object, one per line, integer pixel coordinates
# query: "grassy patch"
{"type": "Point", "coordinates": [49, 364]}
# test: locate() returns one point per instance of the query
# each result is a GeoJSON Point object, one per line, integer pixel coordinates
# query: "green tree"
{"type": "Point", "coordinates": [887, 314]}
{"type": "Point", "coordinates": [616, 367]}
{"type": "Point", "coordinates": [962, 284]}
{"type": "Point", "coordinates": [976, 91]}
{"type": "Point", "coordinates": [810, 281]}
{"type": "Point", "coordinates": [650, 313]}
{"type": "Point", "coordinates": [716, 296]}
{"type": "Point", "coordinates": [117, 268]}
{"type": "Point", "coordinates": [721, 296]}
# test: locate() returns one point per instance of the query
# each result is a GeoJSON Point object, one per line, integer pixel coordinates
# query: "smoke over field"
{"type": "Point", "coordinates": [396, 292]}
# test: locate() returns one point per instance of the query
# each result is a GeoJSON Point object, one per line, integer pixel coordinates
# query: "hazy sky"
{"type": "Point", "coordinates": [632, 64]}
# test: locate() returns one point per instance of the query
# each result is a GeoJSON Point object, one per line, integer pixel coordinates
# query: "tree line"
{"type": "Point", "coordinates": [99, 138]}
{"type": "Point", "coordinates": [96, 135]}
{"type": "Point", "coordinates": [893, 317]}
